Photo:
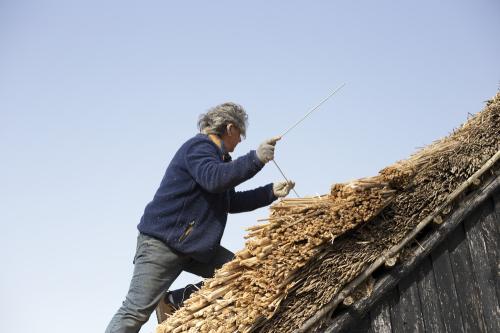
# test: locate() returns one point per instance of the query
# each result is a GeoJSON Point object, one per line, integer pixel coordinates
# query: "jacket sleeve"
{"type": "Point", "coordinates": [215, 176]}
{"type": "Point", "coordinates": [246, 201]}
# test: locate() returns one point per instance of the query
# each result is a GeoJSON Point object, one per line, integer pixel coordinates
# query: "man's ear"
{"type": "Point", "coordinates": [229, 129]}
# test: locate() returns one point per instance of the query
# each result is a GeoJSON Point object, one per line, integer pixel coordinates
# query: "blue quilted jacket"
{"type": "Point", "coordinates": [189, 210]}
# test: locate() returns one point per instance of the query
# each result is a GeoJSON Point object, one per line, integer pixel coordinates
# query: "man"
{"type": "Point", "coordinates": [182, 226]}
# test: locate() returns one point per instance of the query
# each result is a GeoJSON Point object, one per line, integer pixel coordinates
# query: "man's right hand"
{"type": "Point", "coordinates": [265, 152]}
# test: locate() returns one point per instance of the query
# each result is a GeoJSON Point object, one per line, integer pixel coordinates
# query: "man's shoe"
{"type": "Point", "coordinates": [165, 308]}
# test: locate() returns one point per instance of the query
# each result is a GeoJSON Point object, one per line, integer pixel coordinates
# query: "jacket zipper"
{"type": "Point", "coordinates": [188, 230]}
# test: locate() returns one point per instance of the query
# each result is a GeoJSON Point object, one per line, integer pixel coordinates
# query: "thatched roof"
{"type": "Point", "coordinates": [311, 254]}
{"type": "Point", "coordinates": [447, 281]}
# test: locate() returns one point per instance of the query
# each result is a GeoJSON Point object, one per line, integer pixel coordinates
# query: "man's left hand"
{"type": "Point", "coordinates": [281, 189]}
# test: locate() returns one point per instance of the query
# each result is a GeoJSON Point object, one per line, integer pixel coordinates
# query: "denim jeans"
{"type": "Point", "coordinates": [156, 267]}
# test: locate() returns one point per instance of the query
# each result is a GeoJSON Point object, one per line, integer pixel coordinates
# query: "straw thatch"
{"type": "Point", "coordinates": [310, 248]}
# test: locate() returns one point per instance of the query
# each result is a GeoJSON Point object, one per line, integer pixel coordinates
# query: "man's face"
{"type": "Point", "coordinates": [231, 138]}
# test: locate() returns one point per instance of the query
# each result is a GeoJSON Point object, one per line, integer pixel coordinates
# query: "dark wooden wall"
{"type": "Point", "coordinates": [455, 289]}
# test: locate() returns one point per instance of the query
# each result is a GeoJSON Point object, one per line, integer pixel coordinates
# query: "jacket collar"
{"type": "Point", "coordinates": [219, 143]}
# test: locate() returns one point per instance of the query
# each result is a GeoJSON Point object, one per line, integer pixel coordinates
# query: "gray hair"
{"type": "Point", "coordinates": [217, 118]}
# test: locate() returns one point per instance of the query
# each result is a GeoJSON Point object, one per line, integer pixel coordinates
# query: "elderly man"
{"type": "Point", "coordinates": [182, 226]}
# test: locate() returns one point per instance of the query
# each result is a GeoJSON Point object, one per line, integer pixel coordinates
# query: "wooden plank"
{"type": "Point", "coordinates": [427, 291]}
{"type": "Point", "coordinates": [446, 293]}
{"type": "Point", "coordinates": [480, 229]}
{"type": "Point", "coordinates": [467, 293]}
{"type": "Point", "coordinates": [409, 305]}
{"type": "Point", "coordinates": [396, 317]}
{"type": "Point", "coordinates": [386, 283]}
{"type": "Point", "coordinates": [493, 245]}
{"type": "Point", "coordinates": [381, 317]}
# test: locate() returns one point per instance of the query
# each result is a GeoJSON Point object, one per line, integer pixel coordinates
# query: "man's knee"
{"type": "Point", "coordinates": [128, 319]}
{"type": "Point", "coordinates": [136, 312]}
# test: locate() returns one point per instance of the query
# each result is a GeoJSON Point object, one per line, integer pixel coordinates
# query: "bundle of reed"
{"type": "Point", "coordinates": [310, 248]}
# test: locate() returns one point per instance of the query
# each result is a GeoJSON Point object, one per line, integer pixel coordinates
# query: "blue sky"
{"type": "Point", "coordinates": [96, 96]}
